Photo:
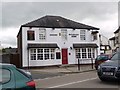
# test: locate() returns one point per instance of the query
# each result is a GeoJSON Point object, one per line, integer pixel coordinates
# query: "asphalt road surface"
{"type": "Point", "coordinates": [78, 80]}
{"type": "Point", "coordinates": [42, 75]}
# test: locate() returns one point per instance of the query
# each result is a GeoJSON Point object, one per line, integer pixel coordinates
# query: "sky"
{"type": "Point", "coordinates": [103, 15]}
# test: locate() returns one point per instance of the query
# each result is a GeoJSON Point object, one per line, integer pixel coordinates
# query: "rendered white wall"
{"type": "Point", "coordinates": [55, 39]}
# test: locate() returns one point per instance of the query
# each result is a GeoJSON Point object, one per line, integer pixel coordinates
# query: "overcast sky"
{"type": "Point", "coordinates": [103, 15]}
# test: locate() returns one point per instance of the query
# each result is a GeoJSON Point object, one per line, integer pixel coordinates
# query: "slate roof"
{"type": "Point", "coordinates": [57, 22]}
{"type": "Point", "coordinates": [112, 38]}
{"type": "Point", "coordinates": [117, 30]}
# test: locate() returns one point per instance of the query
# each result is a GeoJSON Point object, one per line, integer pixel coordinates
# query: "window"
{"type": "Point", "coordinates": [82, 35]}
{"type": "Point", "coordinates": [5, 75]}
{"type": "Point", "coordinates": [95, 37]}
{"type": "Point", "coordinates": [89, 53]}
{"type": "Point", "coordinates": [58, 55]}
{"type": "Point", "coordinates": [93, 53]}
{"type": "Point", "coordinates": [52, 53]}
{"type": "Point", "coordinates": [64, 34]}
{"type": "Point", "coordinates": [30, 35]}
{"type": "Point", "coordinates": [42, 54]}
{"type": "Point", "coordinates": [78, 53]}
{"type": "Point", "coordinates": [33, 54]}
{"type": "Point", "coordinates": [117, 40]}
{"type": "Point", "coordinates": [46, 54]}
{"type": "Point", "coordinates": [85, 53]}
{"type": "Point", "coordinates": [42, 34]}
{"type": "Point", "coordinates": [39, 54]}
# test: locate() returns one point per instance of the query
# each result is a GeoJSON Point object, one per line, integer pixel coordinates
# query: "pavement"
{"type": "Point", "coordinates": [52, 71]}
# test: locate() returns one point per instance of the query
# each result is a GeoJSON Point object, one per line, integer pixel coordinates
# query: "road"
{"type": "Point", "coordinates": [79, 80]}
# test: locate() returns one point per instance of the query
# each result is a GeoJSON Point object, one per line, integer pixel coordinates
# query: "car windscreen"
{"type": "Point", "coordinates": [102, 57]}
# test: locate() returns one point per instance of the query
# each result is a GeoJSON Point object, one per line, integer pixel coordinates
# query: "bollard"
{"type": "Point", "coordinates": [92, 63]}
{"type": "Point", "coordinates": [78, 65]}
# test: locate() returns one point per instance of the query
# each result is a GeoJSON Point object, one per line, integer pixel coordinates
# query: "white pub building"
{"type": "Point", "coordinates": [54, 40]}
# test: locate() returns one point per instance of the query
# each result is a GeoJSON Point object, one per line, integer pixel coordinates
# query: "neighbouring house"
{"type": "Point", "coordinates": [9, 50]}
{"type": "Point", "coordinates": [115, 41]}
{"type": "Point", "coordinates": [104, 45]}
{"type": "Point", "coordinates": [10, 55]}
{"type": "Point", "coordinates": [54, 40]}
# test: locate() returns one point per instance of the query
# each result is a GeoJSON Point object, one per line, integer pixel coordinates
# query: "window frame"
{"type": "Point", "coordinates": [46, 53]}
{"type": "Point", "coordinates": [79, 53]}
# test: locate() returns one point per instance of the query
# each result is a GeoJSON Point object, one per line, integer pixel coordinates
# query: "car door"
{"type": "Point", "coordinates": [8, 79]}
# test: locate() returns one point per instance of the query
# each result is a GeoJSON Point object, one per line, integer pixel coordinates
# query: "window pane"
{"type": "Point", "coordinates": [89, 53]}
{"type": "Point", "coordinates": [64, 34]}
{"type": "Point", "coordinates": [39, 50]}
{"type": "Point", "coordinates": [5, 75]}
{"type": "Point", "coordinates": [78, 53]}
{"type": "Point", "coordinates": [42, 34]}
{"type": "Point", "coordinates": [95, 37]}
{"type": "Point", "coordinates": [82, 35]}
{"type": "Point", "coordinates": [93, 53]}
{"type": "Point", "coordinates": [52, 56]}
{"type": "Point", "coordinates": [84, 53]}
{"type": "Point", "coordinates": [30, 35]}
{"type": "Point", "coordinates": [52, 52]}
{"type": "Point", "coordinates": [33, 50]}
{"type": "Point", "coordinates": [39, 56]}
{"type": "Point", "coordinates": [46, 54]}
{"type": "Point", "coordinates": [58, 56]}
{"type": "Point", "coordinates": [83, 49]}
{"type": "Point", "coordinates": [33, 56]}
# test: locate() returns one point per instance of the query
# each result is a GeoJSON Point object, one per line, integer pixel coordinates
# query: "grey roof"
{"type": "Point", "coordinates": [85, 45]}
{"type": "Point", "coordinates": [57, 22]}
{"type": "Point", "coordinates": [118, 30]}
{"type": "Point", "coordinates": [45, 45]}
{"type": "Point", "coordinates": [112, 38]}
{"type": "Point", "coordinates": [10, 50]}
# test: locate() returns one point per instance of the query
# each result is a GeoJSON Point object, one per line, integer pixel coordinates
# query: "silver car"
{"type": "Point", "coordinates": [110, 69]}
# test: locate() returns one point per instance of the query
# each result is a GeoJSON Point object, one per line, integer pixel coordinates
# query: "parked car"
{"type": "Point", "coordinates": [100, 59]}
{"type": "Point", "coordinates": [14, 78]}
{"type": "Point", "coordinates": [110, 69]}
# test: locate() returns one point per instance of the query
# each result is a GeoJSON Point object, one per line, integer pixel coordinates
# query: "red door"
{"type": "Point", "coordinates": [64, 56]}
